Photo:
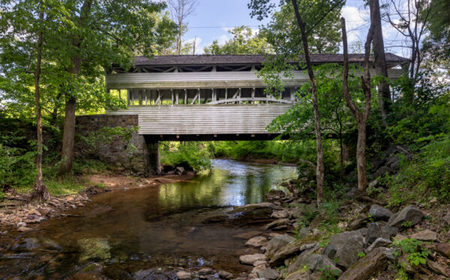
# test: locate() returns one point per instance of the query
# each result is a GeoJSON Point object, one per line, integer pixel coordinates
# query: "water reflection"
{"type": "Point", "coordinates": [230, 183]}
{"type": "Point", "coordinates": [160, 226]}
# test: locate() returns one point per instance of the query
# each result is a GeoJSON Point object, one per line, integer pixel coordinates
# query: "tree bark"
{"type": "Point", "coordinates": [40, 191]}
{"type": "Point", "coordinates": [360, 116]}
{"type": "Point", "coordinates": [384, 93]}
{"type": "Point", "coordinates": [67, 154]}
{"type": "Point", "coordinates": [320, 168]}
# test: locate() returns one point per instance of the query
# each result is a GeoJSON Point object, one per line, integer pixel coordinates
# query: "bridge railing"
{"type": "Point", "coordinates": [214, 96]}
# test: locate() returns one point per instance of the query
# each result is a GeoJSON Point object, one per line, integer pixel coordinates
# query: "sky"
{"type": "Point", "coordinates": [212, 19]}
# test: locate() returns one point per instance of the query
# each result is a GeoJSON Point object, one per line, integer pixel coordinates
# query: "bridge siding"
{"type": "Point", "coordinates": [205, 119]}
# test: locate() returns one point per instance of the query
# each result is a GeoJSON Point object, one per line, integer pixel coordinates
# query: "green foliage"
{"type": "Point", "coordinates": [193, 155]}
{"type": "Point", "coordinates": [106, 135]}
{"type": "Point", "coordinates": [63, 186]}
{"type": "Point", "coordinates": [427, 174]}
{"type": "Point", "coordinates": [413, 250]}
{"type": "Point", "coordinates": [283, 32]}
{"type": "Point", "coordinates": [16, 167]}
{"type": "Point", "coordinates": [329, 274]}
{"type": "Point", "coordinates": [244, 41]}
{"type": "Point", "coordinates": [361, 254]}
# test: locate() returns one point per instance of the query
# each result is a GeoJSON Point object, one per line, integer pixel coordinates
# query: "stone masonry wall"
{"type": "Point", "coordinates": [116, 151]}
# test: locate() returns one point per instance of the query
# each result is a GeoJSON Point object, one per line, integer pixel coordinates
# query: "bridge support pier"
{"type": "Point", "coordinates": [152, 158]}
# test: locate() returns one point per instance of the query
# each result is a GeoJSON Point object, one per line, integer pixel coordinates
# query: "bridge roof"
{"type": "Point", "coordinates": [199, 60]}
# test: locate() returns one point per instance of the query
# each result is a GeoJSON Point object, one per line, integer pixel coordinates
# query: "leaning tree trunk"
{"type": "Point", "coordinates": [320, 168]}
{"type": "Point", "coordinates": [40, 191]}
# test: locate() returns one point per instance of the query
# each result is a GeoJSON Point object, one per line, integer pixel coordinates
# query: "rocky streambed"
{"type": "Point", "coordinates": [232, 224]}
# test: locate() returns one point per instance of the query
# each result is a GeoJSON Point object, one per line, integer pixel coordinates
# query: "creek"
{"type": "Point", "coordinates": [148, 228]}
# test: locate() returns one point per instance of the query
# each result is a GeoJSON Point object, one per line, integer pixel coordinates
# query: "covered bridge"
{"type": "Point", "coordinates": [210, 97]}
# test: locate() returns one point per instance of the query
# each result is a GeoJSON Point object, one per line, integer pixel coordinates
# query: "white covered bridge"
{"type": "Point", "coordinates": [208, 97]}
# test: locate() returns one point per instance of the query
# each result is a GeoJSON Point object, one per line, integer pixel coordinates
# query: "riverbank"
{"type": "Point", "coordinates": [19, 214]}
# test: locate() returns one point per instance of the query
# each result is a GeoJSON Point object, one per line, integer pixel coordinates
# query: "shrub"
{"type": "Point", "coordinates": [17, 167]}
{"type": "Point", "coordinates": [427, 174]}
{"type": "Point", "coordinates": [188, 154]}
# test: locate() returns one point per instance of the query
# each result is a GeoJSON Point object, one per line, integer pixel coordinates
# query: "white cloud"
{"type": "Point", "coordinates": [356, 23]}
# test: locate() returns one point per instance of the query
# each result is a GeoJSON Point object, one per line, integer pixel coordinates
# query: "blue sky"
{"type": "Point", "coordinates": [213, 18]}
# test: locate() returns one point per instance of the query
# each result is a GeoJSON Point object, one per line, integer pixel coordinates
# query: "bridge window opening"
{"type": "Point", "coordinates": [202, 96]}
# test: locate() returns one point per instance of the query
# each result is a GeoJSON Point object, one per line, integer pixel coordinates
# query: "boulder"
{"type": "Point", "coordinates": [443, 249]}
{"type": "Point", "coordinates": [379, 242]}
{"type": "Point", "coordinates": [425, 235]}
{"type": "Point", "coordinates": [253, 213]}
{"type": "Point", "coordinates": [94, 249]}
{"type": "Point", "coordinates": [314, 262]}
{"type": "Point", "coordinates": [257, 241]}
{"type": "Point", "coordinates": [407, 217]}
{"type": "Point", "coordinates": [345, 247]}
{"type": "Point", "coordinates": [292, 249]}
{"type": "Point", "coordinates": [275, 194]}
{"type": "Point", "coordinates": [376, 230]}
{"type": "Point", "coordinates": [179, 170]}
{"type": "Point", "coordinates": [281, 214]}
{"type": "Point", "coordinates": [268, 274]}
{"type": "Point", "coordinates": [251, 259]}
{"type": "Point", "coordinates": [367, 266]}
{"type": "Point", "coordinates": [379, 213]}
{"type": "Point", "coordinates": [277, 242]}
{"type": "Point", "coordinates": [359, 222]}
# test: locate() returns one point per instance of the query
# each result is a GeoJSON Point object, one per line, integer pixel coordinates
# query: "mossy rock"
{"type": "Point", "coordinates": [94, 249]}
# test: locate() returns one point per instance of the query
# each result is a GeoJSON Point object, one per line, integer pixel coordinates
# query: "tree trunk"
{"type": "Point", "coordinates": [360, 116]}
{"type": "Point", "coordinates": [40, 191]}
{"type": "Point", "coordinates": [320, 168]}
{"type": "Point", "coordinates": [361, 157]}
{"type": "Point", "coordinates": [384, 93]}
{"type": "Point", "coordinates": [67, 154]}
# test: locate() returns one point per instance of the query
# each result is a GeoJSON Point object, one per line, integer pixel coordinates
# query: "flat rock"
{"type": "Point", "coordinates": [407, 217]}
{"type": "Point", "coordinates": [292, 249]}
{"type": "Point", "coordinates": [182, 275]}
{"type": "Point", "coordinates": [365, 267]}
{"type": "Point", "coordinates": [379, 213]}
{"type": "Point", "coordinates": [443, 248]}
{"type": "Point", "coordinates": [298, 275]}
{"type": "Point", "coordinates": [345, 247]}
{"type": "Point", "coordinates": [251, 259]}
{"type": "Point", "coordinates": [268, 273]}
{"type": "Point", "coordinates": [257, 241]}
{"type": "Point", "coordinates": [225, 274]}
{"type": "Point", "coordinates": [24, 229]}
{"type": "Point", "coordinates": [94, 249]}
{"type": "Point", "coordinates": [425, 235]}
{"type": "Point", "coordinates": [438, 268]}
{"type": "Point", "coordinates": [277, 242]}
{"type": "Point", "coordinates": [379, 242]}
{"type": "Point", "coordinates": [247, 235]}
{"type": "Point", "coordinates": [282, 214]}
{"type": "Point", "coordinates": [314, 262]}
{"type": "Point", "coordinates": [277, 223]}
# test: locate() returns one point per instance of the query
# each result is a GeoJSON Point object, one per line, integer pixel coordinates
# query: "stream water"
{"type": "Point", "coordinates": [149, 228]}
